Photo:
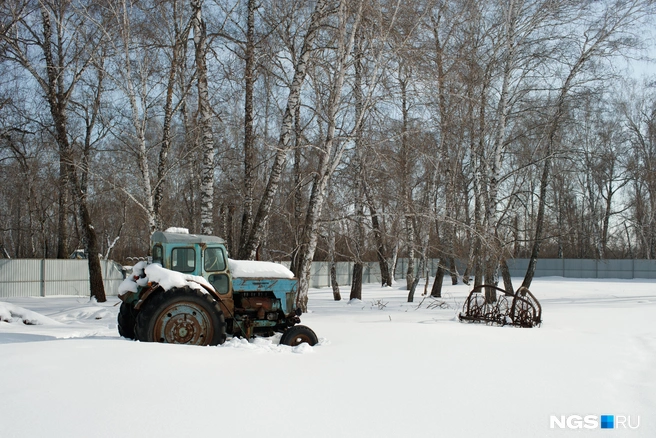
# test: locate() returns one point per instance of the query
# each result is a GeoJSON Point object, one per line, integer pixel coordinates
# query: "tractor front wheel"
{"type": "Point", "coordinates": [181, 316]}
{"type": "Point", "coordinates": [298, 334]}
{"type": "Point", "coordinates": [127, 316]}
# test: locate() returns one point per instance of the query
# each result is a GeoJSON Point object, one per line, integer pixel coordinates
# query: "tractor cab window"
{"type": "Point", "coordinates": [214, 260]}
{"type": "Point", "coordinates": [183, 259]}
{"type": "Point", "coordinates": [220, 283]}
{"type": "Point", "coordinates": [158, 254]}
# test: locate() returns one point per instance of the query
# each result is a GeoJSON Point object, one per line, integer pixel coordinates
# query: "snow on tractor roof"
{"type": "Point", "coordinates": [254, 269]}
{"type": "Point", "coordinates": [168, 237]}
{"type": "Point", "coordinates": [177, 230]}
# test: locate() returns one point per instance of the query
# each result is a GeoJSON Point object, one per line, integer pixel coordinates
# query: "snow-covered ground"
{"type": "Point", "coordinates": [383, 368]}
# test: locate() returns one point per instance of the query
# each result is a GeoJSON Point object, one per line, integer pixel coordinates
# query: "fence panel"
{"type": "Point", "coordinates": [53, 277]}
{"type": "Point", "coordinates": [67, 277]}
{"type": "Point", "coordinates": [344, 272]}
{"type": "Point", "coordinates": [547, 268]}
{"type": "Point", "coordinates": [518, 267]}
{"type": "Point", "coordinates": [615, 269]}
{"type": "Point", "coordinates": [568, 268]}
{"type": "Point", "coordinates": [644, 268]}
{"type": "Point", "coordinates": [20, 278]}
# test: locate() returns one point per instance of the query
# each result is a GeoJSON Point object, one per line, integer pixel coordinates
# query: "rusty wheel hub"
{"type": "Point", "coordinates": [183, 323]}
{"type": "Point", "coordinates": [299, 339]}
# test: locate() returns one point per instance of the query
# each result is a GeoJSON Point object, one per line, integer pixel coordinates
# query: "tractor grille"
{"type": "Point", "coordinates": [259, 294]}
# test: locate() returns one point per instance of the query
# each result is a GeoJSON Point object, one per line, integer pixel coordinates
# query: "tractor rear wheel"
{"type": "Point", "coordinates": [298, 334]}
{"type": "Point", "coordinates": [127, 315]}
{"type": "Point", "coordinates": [181, 316]}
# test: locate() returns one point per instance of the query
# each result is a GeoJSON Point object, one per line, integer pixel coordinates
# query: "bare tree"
{"type": "Point", "coordinates": [248, 247]}
{"type": "Point", "coordinates": [639, 112]}
{"type": "Point", "coordinates": [330, 150]}
{"type": "Point", "coordinates": [67, 53]}
{"type": "Point", "coordinates": [605, 35]}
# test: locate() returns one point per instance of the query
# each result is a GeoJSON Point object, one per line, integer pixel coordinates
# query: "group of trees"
{"type": "Point", "coordinates": [341, 130]}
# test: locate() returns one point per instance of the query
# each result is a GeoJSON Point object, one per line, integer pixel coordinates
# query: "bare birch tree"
{"type": "Point", "coordinates": [204, 120]}
{"type": "Point", "coordinates": [248, 247]}
{"type": "Point", "coordinates": [330, 149]}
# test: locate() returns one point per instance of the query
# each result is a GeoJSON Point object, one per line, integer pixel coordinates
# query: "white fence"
{"type": "Point", "coordinates": [586, 268]}
{"type": "Point", "coordinates": [568, 268]}
{"type": "Point", "coordinates": [49, 277]}
{"type": "Point", "coordinates": [40, 278]}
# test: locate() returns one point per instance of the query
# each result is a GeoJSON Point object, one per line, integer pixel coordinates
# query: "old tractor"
{"type": "Point", "coordinates": [187, 295]}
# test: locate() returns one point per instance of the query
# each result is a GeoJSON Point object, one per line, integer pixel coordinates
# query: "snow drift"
{"type": "Point", "coordinates": [12, 314]}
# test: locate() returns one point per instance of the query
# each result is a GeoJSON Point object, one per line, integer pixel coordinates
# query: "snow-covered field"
{"type": "Point", "coordinates": [383, 368]}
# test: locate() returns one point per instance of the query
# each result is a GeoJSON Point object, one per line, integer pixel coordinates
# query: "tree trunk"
{"type": "Point", "coordinates": [249, 136]}
{"type": "Point", "coordinates": [309, 239]}
{"type": "Point", "coordinates": [57, 101]}
{"type": "Point", "coordinates": [359, 241]}
{"type": "Point", "coordinates": [453, 269]}
{"type": "Point", "coordinates": [415, 282]}
{"type": "Point", "coordinates": [381, 250]}
{"type": "Point", "coordinates": [180, 38]}
{"type": "Point", "coordinates": [96, 285]}
{"type": "Point", "coordinates": [544, 179]}
{"type": "Point", "coordinates": [356, 283]}
{"type": "Point", "coordinates": [204, 122]}
{"type": "Point", "coordinates": [447, 161]}
{"type": "Point", "coordinates": [337, 296]}
{"type": "Point", "coordinates": [535, 251]}
{"type": "Point", "coordinates": [298, 194]}
{"type": "Point", "coordinates": [405, 184]}
{"type": "Point", "coordinates": [394, 262]}
{"type": "Point", "coordinates": [505, 274]}
{"type": "Point", "coordinates": [330, 155]}
{"type": "Point", "coordinates": [139, 117]}
{"type": "Point", "coordinates": [249, 246]}
{"type": "Point", "coordinates": [436, 290]}
{"type": "Point", "coordinates": [62, 211]}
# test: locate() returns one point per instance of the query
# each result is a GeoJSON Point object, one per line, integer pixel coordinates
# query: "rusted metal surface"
{"type": "Point", "coordinates": [258, 304]}
{"type": "Point", "coordinates": [520, 309]}
{"type": "Point", "coordinates": [183, 323]}
{"type": "Point", "coordinates": [144, 294]}
{"type": "Point", "coordinates": [225, 300]}
{"type": "Point", "coordinates": [282, 291]}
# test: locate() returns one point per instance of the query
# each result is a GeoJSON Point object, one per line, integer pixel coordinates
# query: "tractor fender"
{"type": "Point", "coordinates": [154, 287]}
{"type": "Point", "coordinates": [146, 292]}
{"type": "Point", "coordinates": [212, 292]}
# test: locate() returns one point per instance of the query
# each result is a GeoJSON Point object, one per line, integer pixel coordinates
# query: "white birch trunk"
{"type": "Point", "coordinates": [204, 122]}
{"type": "Point", "coordinates": [248, 248]}
{"type": "Point", "coordinates": [330, 158]}
{"type": "Point", "coordinates": [139, 116]}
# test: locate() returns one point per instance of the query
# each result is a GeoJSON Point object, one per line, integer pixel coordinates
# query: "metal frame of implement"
{"type": "Point", "coordinates": [520, 309]}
